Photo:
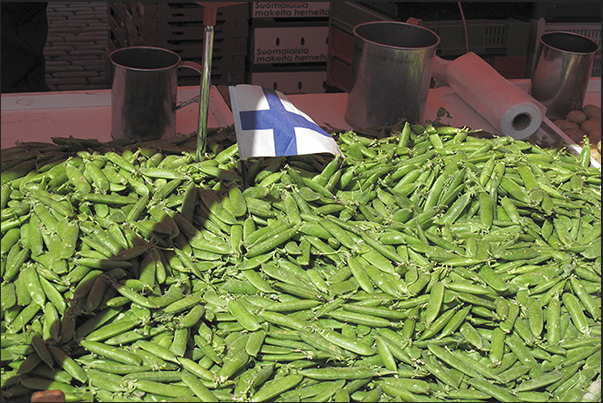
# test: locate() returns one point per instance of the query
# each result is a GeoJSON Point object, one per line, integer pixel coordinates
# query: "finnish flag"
{"type": "Point", "coordinates": [268, 125]}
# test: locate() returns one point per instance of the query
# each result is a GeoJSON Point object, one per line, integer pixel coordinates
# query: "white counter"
{"type": "Point", "coordinates": [87, 114]}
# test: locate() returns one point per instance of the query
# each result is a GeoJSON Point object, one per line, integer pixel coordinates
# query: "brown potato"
{"type": "Point", "coordinates": [591, 124]}
{"type": "Point", "coordinates": [53, 395]}
{"type": "Point", "coordinates": [595, 154]}
{"type": "Point", "coordinates": [576, 116]}
{"type": "Point", "coordinates": [594, 136]}
{"type": "Point", "coordinates": [592, 111]}
{"type": "Point", "coordinates": [575, 134]}
{"type": "Point", "coordinates": [566, 125]}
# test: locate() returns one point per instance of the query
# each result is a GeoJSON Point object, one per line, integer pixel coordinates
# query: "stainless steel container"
{"type": "Point", "coordinates": [144, 91]}
{"type": "Point", "coordinates": [562, 71]}
{"type": "Point", "coordinates": [390, 74]}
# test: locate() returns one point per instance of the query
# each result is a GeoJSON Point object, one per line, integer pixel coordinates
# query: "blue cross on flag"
{"type": "Point", "coordinates": [268, 125]}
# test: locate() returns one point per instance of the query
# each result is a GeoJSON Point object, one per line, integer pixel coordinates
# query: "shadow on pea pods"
{"type": "Point", "coordinates": [125, 257]}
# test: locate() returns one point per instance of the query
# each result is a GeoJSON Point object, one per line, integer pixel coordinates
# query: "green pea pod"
{"type": "Point", "coordinates": [110, 352]}
{"type": "Point", "coordinates": [435, 302]}
{"type": "Point", "coordinates": [165, 190]}
{"type": "Point", "coordinates": [574, 307]}
{"type": "Point", "coordinates": [77, 179]}
{"type": "Point", "coordinates": [54, 295]}
{"type": "Point", "coordinates": [133, 295]}
{"type": "Point", "coordinates": [584, 156]}
{"type": "Point", "coordinates": [497, 392]}
{"type": "Point", "coordinates": [68, 363]}
{"type": "Point", "coordinates": [515, 190]}
{"type": "Point", "coordinates": [356, 372]}
{"type": "Point", "coordinates": [276, 388]}
{"type": "Point", "coordinates": [32, 280]}
{"type": "Point", "coordinates": [243, 316]}
{"type": "Point", "coordinates": [214, 205]}
{"type": "Point", "coordinates": [456, 209]}
{"type": "Point", "coordinates": [492, 279]}
{"type": "Point", "coordinates": [438, 324]}
{"type": "Point", "coordinates": [585, 298]}
{"type": "Point", "coordinates": [99, 180]}
{"type": "Point", "coordinates": [535, 316]}
{"type": "Point", "coordinates": [347, 343]}
{"type": "Point", "coordinates": [271, 243]}
{"type": "Point", "coordinates": [69, 237]}
{"type": "Point", "coordinates": [200, 242]}
{"type": "Point", "coordinates": [12, 236]}
{"type": "Point", "coordinates": [63, 207]}
{"type": "Point", "coordinates": [185, 303]}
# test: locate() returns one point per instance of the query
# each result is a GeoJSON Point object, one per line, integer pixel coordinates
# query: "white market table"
{"type": "Point", "coordinates": [87, 114]}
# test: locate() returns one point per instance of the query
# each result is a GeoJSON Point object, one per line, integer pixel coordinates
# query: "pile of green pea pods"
{"type": "Point", "coordinates": [423, 264]}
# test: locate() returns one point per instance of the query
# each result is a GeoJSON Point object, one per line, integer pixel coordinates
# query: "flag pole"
{"type": "Point", "coordinates": [210, 14]}
{"type": "Point", "coordinates": [243, 167]}
{"type": "Point", "coordinates": [205, 87]}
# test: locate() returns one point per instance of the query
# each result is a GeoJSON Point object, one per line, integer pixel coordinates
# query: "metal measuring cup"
{"type": "Point", "coordinates": [562, 72]}
{"type": "Point", "coordinates": [144, 92]}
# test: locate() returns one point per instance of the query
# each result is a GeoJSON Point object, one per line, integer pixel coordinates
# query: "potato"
{"type": "Point", "coordinates": [575, 134]}
{"type": "Point", "coordinates": [592, 111]}
{"type": "Point", "coordinates": [576, 116]}
{"type": "Point", "coordinates": [594, 136]}
{"type": "Point", "coordinates": [599, 146]}
{"type": "Point", "coordinates": [591, 124]}
{"type": "Point", "coordinates": [566, 125]}
{"type": "Point", "coordinates": [595, 154]}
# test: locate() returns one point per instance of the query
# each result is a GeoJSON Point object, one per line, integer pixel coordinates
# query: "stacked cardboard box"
{"type": "Point", "coordinates": [288, 47]}
{"type": "Point", "coordinates": [179, 27]}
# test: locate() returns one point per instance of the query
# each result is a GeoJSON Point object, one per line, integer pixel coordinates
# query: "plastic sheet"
{"type": "Point", "coordinates": [511, 111]}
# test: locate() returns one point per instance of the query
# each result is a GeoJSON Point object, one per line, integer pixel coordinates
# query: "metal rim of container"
{"type": "Point", "coordinates": [144, 58]}
{"type": "Point", "coordinates": [569, 42]}
{"type": "Point", "coordinates": [429, 39]}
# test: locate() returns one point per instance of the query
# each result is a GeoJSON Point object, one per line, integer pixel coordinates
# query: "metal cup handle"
{"type": "Point", "coordinates": [414, 21]}
{"type": "Point", "coordinates": [197, 67]}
